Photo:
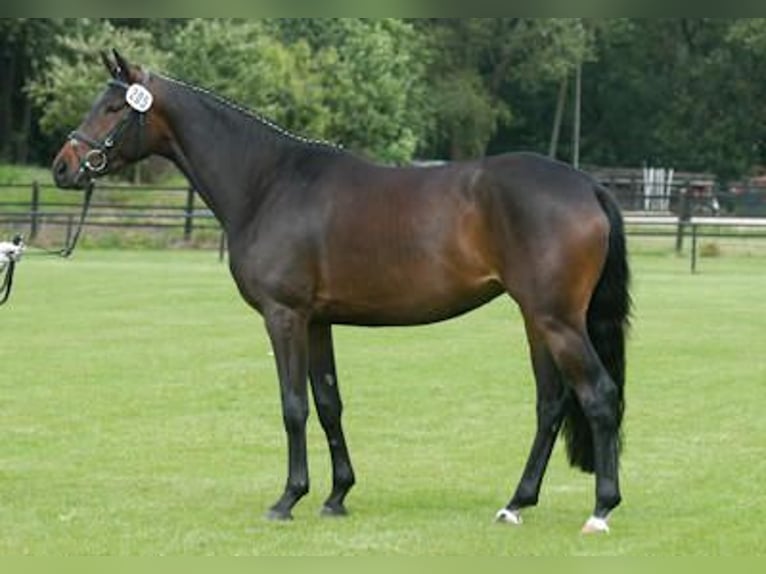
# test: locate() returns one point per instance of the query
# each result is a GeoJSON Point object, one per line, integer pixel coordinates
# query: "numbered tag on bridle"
{"type": "Point", "coordinates": [139, 98]}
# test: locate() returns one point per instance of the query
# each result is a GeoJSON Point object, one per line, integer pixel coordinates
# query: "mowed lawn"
{"type": "Point", "coordinates": [139, 415]}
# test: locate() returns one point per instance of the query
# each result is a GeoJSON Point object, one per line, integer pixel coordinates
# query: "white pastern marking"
{"type": "Point", "coordinates": [506, 516]}
{"type": "Point", "coordinates": [595, 526]}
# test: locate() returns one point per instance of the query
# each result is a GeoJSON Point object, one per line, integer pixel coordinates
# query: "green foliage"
{"type": "Point", "coordinates": [750, 32]}
{"type": "Point", "coordinates": [680, 92]}
{"type": "Point", "coordinates": [715, 113]}
{"type": "Point", "coordinates": [361, 86]}
{"type": "Point", "coordinates": [74, 75]}
{"type": "Point", "coordinates": [349, 80]}
{"type": "Point", "coordinates": [25, 44]}
{"type": "Point", "coordinates": [683, 93]}
{"type": "Point", "coordinates": [374, 87]}
{"type": "Point", "coordinates": [242, 61]}
{"type": "Point", "coordinates": [479, 62]}
{"type": "Point", "coordinates": [468, 114]}
{"type": "Point", "coordinates": [34, 38]}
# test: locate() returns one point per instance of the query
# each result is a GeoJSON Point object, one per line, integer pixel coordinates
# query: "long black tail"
{"type": "Point", "coordinates": [608, 321]}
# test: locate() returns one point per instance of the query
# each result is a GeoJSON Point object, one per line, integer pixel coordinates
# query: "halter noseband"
{"type": "Point", "coordinates": [96, 159]}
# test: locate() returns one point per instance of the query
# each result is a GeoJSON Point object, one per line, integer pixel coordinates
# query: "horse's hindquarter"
{"type": "Point", "coordinates": [551, 232]}
{"type": "Point", "coordinates": [404, 246]}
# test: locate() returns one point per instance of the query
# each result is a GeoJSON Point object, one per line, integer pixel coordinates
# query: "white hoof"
{"type": "Point", "coordinates": [596, 526]}
{"type": "Point", "coordinates": [506, 516]}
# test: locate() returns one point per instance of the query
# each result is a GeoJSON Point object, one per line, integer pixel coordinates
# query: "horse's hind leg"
{"type": "Point", "coordinates": [552, 397]}
{"type": "Point", "coordinates": [324, 385]}
{"type": "Point", "coordinates": [598, 397]}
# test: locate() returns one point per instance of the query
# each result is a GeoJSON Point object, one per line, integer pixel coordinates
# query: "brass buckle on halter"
{"type": "Point", "coordinates": [95, 160]}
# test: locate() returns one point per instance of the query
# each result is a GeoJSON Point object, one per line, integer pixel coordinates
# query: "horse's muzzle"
{"type": "Point", "coordinates": [69, 175]}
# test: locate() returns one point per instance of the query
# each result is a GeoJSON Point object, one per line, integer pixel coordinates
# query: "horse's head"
{"type": "Point", "coordinates": [118, 130]}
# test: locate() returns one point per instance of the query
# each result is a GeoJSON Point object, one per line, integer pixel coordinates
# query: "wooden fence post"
{"type": "Point", "coordinates": [189, 215]}
{"type": "Point", "coordinates": [684, 216]}
{"type": "Point", "coordinates": [694, 248]}
{"type": "Point", "coordinates": [34, 210]}
{"type": "Point", "coordinates": [222, 246]}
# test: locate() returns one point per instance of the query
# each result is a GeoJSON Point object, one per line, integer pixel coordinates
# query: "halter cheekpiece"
{"type": "Point", "coordinates": [96, 159]}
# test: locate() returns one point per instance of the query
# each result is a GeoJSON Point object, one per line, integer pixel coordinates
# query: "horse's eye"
{"type": "Point", "coordinates": [115, 107]}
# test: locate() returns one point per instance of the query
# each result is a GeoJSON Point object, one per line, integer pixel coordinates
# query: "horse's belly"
{"type": "Point", "coordinates": [405, 303]}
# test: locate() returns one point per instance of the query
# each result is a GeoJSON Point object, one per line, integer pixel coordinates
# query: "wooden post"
{"type": "Point", "coordinates": [637, 192]}
{"type": "Point", "coordinates": [684, 215]}
{"type": "Point", "coordinates": [577, 116]}
{"type": "Point", "coordinates": [554, 145]}
{"type": "Point", "coordinates": [34, 210]}
{"type": "Point", "coordinates": [222, 246]}
{"type": "Point", "coordinates": [694, 248]}
{"type": "Point", "coordinates": [189, 215]}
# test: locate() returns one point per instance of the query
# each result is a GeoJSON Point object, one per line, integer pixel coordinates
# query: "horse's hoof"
{"type": "Point", "coordinates": [512, 517]}
{"type": "Point", "coordinates": [333, 511]}
{"type": "Point", "coordinates": [596, 526]}
{"type": "Point", "coordinates": [276, 515]}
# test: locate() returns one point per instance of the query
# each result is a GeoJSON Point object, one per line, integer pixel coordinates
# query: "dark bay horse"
{"type": "Point", "coordinates": [318, 236]}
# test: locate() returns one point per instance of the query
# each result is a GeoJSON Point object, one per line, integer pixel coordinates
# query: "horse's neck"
{"type": "Point", "coordinates": [226, 155]}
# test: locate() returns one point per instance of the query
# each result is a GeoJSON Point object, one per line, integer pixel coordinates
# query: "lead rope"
{"type": "Point", "coordinates": [71, 242]}
{"type": "Point", "coordinates": [11, 256]}
{"type": "Point", "coordinates": [68, 249]}
{"type": "Point", "coordinates": [17, 247]}
{"type": "Point", "coordinates": [5, 290]}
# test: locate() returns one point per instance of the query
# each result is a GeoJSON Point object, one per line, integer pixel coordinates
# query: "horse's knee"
{"type": "Point", "coordinates": [295, 414]}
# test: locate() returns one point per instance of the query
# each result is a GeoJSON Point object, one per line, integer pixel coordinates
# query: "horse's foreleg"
{"type": "Point", "coordinates": [288, 331]}
{"type": "Point", "coordinates": [551, 402]}
{"type": "Point", "coordinates": [324, 385]}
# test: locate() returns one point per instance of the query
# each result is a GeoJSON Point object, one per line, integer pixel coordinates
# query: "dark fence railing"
{"type": "Point", "coordinates": [686, 196]}
{"type": "Point", "coordinates": [30, 208]}
{"type": "Point", "coordinates": [661, 210]}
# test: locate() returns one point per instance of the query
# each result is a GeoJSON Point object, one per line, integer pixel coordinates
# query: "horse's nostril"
{"type": "Point", "coordinates": [60, 168]}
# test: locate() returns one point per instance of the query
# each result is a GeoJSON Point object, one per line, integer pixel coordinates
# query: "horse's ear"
{"type": "Point", "coordinates": [123, 66]}
{"type": "Point", "coordinates": [111, 66]}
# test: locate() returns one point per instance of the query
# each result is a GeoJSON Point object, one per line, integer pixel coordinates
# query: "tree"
{"type": "Point", "coordinates": [351, 81]}
{"type": "Point", "coordinates": [75, 75]}
{"type": "Point", "coordinates": [242, 61]}
{"type": "Point", "coordinates": [25, 44]}
{"type": "Point", "coordinates": [374, 85]}
{"type": "Point", "coordinates": [747, 36]}
{"type": "Point", "coordinates": [683, 93]}
{"type": "Point", "coordinates": [715, 119]}
{"type": "Point", "coordinates": [481, 64]}
{"type": "Point", "coordinates": [162, 30]}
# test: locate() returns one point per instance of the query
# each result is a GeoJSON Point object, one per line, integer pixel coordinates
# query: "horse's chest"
{"type": "Point", "coordinates": [274, 272]}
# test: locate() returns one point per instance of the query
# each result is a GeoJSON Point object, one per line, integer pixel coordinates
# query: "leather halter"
{"type": "Point", "coordinates": [96, 159]}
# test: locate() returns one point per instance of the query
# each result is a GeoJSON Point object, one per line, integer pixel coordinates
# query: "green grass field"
{"type": "Point", "coordinates": [139, 415]}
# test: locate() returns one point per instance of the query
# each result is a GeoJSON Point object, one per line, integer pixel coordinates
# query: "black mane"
{"type": "Point", "coordinates": [264, 125]}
